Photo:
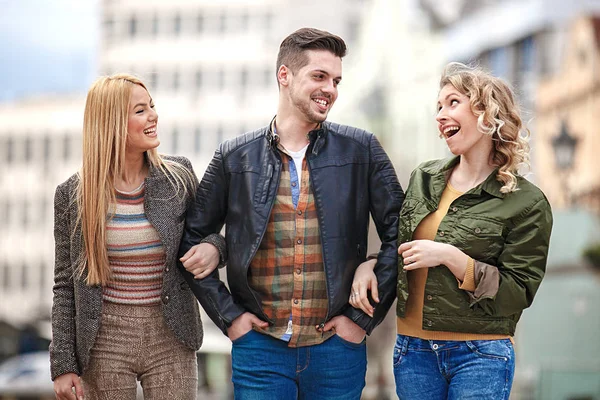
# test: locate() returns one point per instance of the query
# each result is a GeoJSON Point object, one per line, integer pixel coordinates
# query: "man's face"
{"type": "Point", "coordinates": [314, 88]}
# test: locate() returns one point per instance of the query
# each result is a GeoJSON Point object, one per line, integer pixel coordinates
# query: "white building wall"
{"type": "Point", "coordinates": [40, 147]}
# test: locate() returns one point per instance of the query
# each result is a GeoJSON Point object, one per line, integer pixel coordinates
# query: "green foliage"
{"type": "Point", "coordinates": [592, 255]}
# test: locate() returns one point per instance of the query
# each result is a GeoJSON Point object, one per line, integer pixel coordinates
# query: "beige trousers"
{"type": "Point", "coordinates": [134, 343]}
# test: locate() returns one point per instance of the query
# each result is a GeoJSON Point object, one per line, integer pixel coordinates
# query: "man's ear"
{"type": "Point", "coordinates": [283, 75]}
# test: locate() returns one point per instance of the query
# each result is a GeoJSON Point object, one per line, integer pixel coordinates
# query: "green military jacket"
{"type": "Point", "coordinates": [506, 234]}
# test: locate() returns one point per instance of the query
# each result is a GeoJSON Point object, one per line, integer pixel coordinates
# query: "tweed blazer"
{"type": "Point", "coordinates": [77, 307]}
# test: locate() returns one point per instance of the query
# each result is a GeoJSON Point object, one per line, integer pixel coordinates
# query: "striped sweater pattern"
{"type": "Point", "coordinates": [135, 253]}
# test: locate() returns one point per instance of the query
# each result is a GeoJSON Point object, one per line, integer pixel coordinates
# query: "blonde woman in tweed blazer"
{"type": "Point", "coordinates": [121, 310]}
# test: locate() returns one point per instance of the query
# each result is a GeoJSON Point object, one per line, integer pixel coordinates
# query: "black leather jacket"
{"type": "Point", "coordinates": [351, 175]}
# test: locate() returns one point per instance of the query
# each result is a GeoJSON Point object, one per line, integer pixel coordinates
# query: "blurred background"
{"type": "Point", "coordinates": [210, 67]}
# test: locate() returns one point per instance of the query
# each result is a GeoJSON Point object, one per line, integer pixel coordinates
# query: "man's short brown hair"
{"type": "Point", "coordinates": [292, 51]}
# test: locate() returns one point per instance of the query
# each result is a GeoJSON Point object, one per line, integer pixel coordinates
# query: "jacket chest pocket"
{"type": "Point", "coordinates": [261, 192]}
{"type": "Point", "coordinates": [482, 239]}
{"type": "Point", "coordinates": [247, 183]}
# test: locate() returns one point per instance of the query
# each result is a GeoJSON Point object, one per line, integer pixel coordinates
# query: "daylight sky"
{"type": "Point", "coordinates": [47, 46]}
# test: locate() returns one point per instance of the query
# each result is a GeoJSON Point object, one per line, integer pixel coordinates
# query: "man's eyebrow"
{"type": "Point", "coordinates": [322, 71]}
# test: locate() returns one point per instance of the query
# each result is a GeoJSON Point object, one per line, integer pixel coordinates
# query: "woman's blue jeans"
{"type": "Point", "coordinates": [266, 368]}
{"type": "Point", "coordinates": [449, 369]}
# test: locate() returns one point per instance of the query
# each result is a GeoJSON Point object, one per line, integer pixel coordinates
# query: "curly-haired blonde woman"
{"type": "Point", "coordinates": [473, 241]}
{"type": "Point", "coordinates": [121, 311]}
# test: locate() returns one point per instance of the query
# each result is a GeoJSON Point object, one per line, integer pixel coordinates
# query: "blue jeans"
{"type": "Point", "coordinates": [266, 368]}
{"type": "Point", "coordinates": [449, 369]}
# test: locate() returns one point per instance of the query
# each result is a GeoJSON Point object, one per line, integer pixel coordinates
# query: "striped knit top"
{"type": "Point", "coordinates": [135, 253]}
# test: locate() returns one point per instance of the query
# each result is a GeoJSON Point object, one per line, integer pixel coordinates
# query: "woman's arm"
{"type": "Point", "coordinates": [62, 347]}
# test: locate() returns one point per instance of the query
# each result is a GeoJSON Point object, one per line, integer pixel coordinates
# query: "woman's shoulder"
{"type": "Point", "coordinates": [69, 184]}
{"type": "Point", "coordinates": [527, 188]}
{"type": "Point", "coordinates": [177, 160]}
{"type": "Point", "coordinates": [432, 167]}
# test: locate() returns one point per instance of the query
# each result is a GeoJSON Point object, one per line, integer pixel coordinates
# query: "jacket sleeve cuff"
{"type": "Point", "coordinates": [468, 283]}
{"type": "Point", "coordinates": [487, 282]}
{"type": "Point", "coordinates": [219, 242]}
{"type": "Point", "coordinates": [62, 363]}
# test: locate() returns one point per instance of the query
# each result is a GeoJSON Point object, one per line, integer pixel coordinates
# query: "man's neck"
{"type": "Point", "coordinates": [293, 132]}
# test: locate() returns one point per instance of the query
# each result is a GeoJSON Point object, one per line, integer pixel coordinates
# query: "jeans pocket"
{"type": "Point", "coordinates": [350, 344]}
{"type": "Point", "coordinates": [492, 349]}
{"type": "Point", "coordinates": [242, 338]}
{"type": "Point", "coordinates": [400, 348]}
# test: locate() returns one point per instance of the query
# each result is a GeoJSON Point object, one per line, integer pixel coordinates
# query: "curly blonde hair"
{"type": "Point", "coordinates": [493, 103]}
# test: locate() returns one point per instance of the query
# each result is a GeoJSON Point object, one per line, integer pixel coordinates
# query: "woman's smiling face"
{"type": "Point", "coordinates": [457, 124]}
{"type": "Point", "coordinates": [142, 122]}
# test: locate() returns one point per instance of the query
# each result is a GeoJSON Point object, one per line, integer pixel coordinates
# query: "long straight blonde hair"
{"type": "Point", "coordinates": [104, 141]}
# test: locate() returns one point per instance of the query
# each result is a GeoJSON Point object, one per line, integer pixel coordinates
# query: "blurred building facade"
{"type": "Point", "coordinates": [553, 66]}
{"type": "Point", "coordinates": [569, 104]}
{"type": "Point", "coordinates": [210, 67]}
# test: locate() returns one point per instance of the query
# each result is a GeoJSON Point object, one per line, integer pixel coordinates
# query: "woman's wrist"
{"type": "Point", "coordinates": [456, 261]}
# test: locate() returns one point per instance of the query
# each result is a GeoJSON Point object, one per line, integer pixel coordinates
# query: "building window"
{"type": "Point", "coordinates": [198, 79]}
{"type": "Point", "coordinates": [197, 140]}
{"type": "Point", "coordinates": [24, 277]}
{"type": "Point", "coordinates": [200, 23]}
{"type": "Point", "coordinates": [174, 140]}
{"type": "Point", "coordinates": [219, 135]}
{"type": "Point", "coordinates": [177, 24]}
{"type": "Point", "coordinates": [43, 211]}
{"type": "Point", "coordinates": [221, 79]}
{"type": "Point", "coordinates": [6, 211]}
{"type": "Point", "coordinates": [67, 147]}
{"type": "Point", "coordinates": [3, 212]}
{"type": "Point", "coordinates": [244, 19]}
{"type": "Point", "coordinates": [133, 28]}
{"type": "Point", "coordinates": [244, 78]}
{"type": "Point", "coordinates": [153, 80]}
{"type": "Point", "coordinates": [526, 54]}
{"type": "Point", "coordinates": [268, 22]}
{"type": "Point", "coordinates": [155, 26]}
{"type": "Point", "coordinates": [28, 150]}
{"type": "Point", "coordinates": [46, 149]}
{"type": "Point", "coordinates": [222, 22]}
{"type": "Point", "coordinates": [176, 79]}
{"type": "Point", "coordinates": [7, 280]}
{"type": "Point", "coordinates": [109, 26]}
{"type": "Point", "coordinates": [499, 62]}
{"type": "Point", "coordinates": [43, 278]}
{"type": "Point", "coordinates": [25, 214]}
{"type": "Point", "coordinates": [10, 150]}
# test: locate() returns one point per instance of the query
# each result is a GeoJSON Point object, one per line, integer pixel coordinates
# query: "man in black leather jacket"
{"type": "Point", "coordinates": [295, 197]}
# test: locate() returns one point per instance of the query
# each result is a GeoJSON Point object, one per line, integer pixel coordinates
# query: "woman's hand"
{"type": "Point", "coordinates": [364, 280]}
{"type": "Point", "coordinates": [428, 254]}
{"type": "Point", "coordinates": [64, 384]}
{"type": "Point", "coordinates": [201, 260]}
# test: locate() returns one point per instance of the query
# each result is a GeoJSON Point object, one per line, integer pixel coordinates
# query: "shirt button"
{"type": "Point", "coordinates": [298, 271]}
{"type": "Point", "coordinates": [166, 299]}
{"type": "Point", "coordinates": [293, 184]}
{"type": "Point", "coordinates": [167, 269]}
{"type": "Point", "coordinates": [441, 233]}
{"type": "Point", "coordinates": [455, 209]}
{"type": "Point", "coordinates": [429, 297]}
{"type": "Point", "coordinates": [299, 212]}
{"type": "Point", "coordinates": [295, 301]}
{"type": "Point", "coordinates": [429, 323]}
{"type": "Point", "coordinates": [477, 230]}
{"type": "Point", "coordinates": [299, 241]}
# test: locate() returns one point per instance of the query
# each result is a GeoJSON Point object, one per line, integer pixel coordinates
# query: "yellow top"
{"type": "Point", "coordinates": [412, 323]}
